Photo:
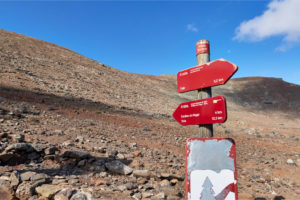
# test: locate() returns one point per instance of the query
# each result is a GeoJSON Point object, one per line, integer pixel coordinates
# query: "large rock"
{"type": "Point", "coordinates": [118, 167]}
{"type": "Point", "coordinates": [64, 194]}
{"type": "Point", "coordinates": [20, 147]}
{"type": "Point", "coordinates": [39, 147]}
{"type": "Point", "coordinates": [38, 177]}
{"type": "Point", "coordinates": [5, 193]}
{"type": "Point", "coordinates": [26, 176]}
{"type": "Point", "coordinates": [47, 190]}
{"type": "Point", "coordinates": [25, 190]}
{"type": "Point", "coordinates": [14, 179]}
{"type": "Point", "coordinates": [76, 154]}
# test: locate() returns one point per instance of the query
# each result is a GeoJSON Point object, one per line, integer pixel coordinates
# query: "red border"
{"type": "Point", "coordinates": [232, 154]}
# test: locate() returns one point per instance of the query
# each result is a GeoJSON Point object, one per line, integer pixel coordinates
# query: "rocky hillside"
{"type": "Point", "coordinates": [74, 128]}
{"type": "Point", "coordinates": [32, 66]}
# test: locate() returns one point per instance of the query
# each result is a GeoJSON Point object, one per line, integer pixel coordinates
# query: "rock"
{"type": "Point", "coordinates": [165, 183]}
{"type": "Point", "coordinates": [5, 193]}
{"type": "Point", "coordinates": [137, 196]}
{"type": "Point", "coordinates": [4, 178]}
{"type": "Point", "coordinates": [50, 150]}
{"type": "Point", "coordinates": [20, 147]}
{"type": "Point", "coordinates": [174, 181]}
{"type": "Point", "coordinates": [81, 163]}
{"type": "Point", "coordinates": [81, 196]}
{"type": "Point", "coordinates": [79, 139]}
{"type": "Point", "coordinates": [122, 187]}
{"type": "Point", "coordinates": [118, 167]}
{"type": "Point", "coordinates": [159, 196]}
{"type": "Point", "coordinates": [131, 186]}
{"type": "Point", "coordinates": [64, 194]}
{"type": "Point", "coordinates": [4, 157]}
{"type": "Point", "coordinates": [25, 190]}
{"type": "Point", "coordinates": [33, 156]}
{"type": "Point", "coordinates": [102, 149]}
{"type": "Point", "coordinates": [137, 153]}
{"type": "Point", "coordinates": [76, 154]}
{"type": "Point", "coordinates": [103, 174]}
{"type": "Point", "coordinates": [34, 197]}
{"type": "Point", "coordinates": [59, 132]}
{"type": "Point", "coordinates": [14, 179]}
{"type": "Point", "coordinates": [113, 154]}
{"type": "Point", "coordinates": [133, 145]}
{"type": "Point", "coordinates": [73, 181]}
{"type": "Point", "coordinates": [38, 177]}
{"type": "Point", "coordinates": [290, 161]}
{"type": "Point", "coordinates": [141, 173]}
{"type": "Point", "coordinates": [38, 147]}
{"type": "Point", "coordinates": [26, 176]}
{"type": "Point", "coordinates": [47, 190]}
{"type": "Point", "coordinates": [58, 181]}
{"type": "Point", "coordinates": [68, 143]}
{"type": "Point", "coordinates": [17, 138]}
{"type": "Point", "coordinates": [147, 194]}
{"type": "Point", "coordinates": [120, 156]}
{"type": "Point", "coordinates": [147, 187]}
{"type": "Point", "coordinates": [165, 175]}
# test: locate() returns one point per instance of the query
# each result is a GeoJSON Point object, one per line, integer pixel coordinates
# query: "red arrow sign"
{"type": "Point", "coordinates": [210, 74]}
{"type": "Point", "coordinates": [202, 111]}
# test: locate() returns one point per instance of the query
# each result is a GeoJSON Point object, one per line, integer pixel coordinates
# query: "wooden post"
{"type": "Point", "coordinates": [203, 56]}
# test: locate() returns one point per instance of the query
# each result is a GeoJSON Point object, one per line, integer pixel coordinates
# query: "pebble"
{"type": "Point", "coordinates": [165, 183]}
{"type": "Point", "coordinates": [141, 173]}
{"type": "Point", "coordinates": [290, 161]}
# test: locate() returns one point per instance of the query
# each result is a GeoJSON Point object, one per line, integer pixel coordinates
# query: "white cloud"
{"type": "Point", "coordinates": [282, 17]}
{"type": "Point", "coordinates": [191, 27]}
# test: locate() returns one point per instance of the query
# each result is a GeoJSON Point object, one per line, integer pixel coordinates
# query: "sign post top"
{"type": "Point", "coordinates": [202, 46]}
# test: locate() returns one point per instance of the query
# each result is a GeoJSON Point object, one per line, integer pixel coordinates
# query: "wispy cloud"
{"type": "Point", "coordinates": [192, 28]}
{"type": "Point", "coordinates": [280, 18]}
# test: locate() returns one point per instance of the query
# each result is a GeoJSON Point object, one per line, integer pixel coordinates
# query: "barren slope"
{"type": "Point", "coordinates": [58, 98]}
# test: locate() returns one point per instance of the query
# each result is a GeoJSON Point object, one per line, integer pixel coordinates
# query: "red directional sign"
{"type": "Point", "coordinates": [202, 111]}
{"type": "Point", "coordinates": [210, 74]}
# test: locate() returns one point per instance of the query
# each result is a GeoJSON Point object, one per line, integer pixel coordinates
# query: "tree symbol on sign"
{"type": "Point", "coordinates": [207, 192]}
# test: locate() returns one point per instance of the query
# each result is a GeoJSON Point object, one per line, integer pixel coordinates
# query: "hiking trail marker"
{"type": "Point", "coordinates": [207, 75]}
{"type": "Point", "coordinates": [210, 162]}
{"type": "Point", "coordinates": [202, 111]}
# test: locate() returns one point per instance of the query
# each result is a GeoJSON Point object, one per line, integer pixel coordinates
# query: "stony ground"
{"type": "Point", "coordinates": [73, 128]}
{"type": "Point", "coordinates": [114, 155]}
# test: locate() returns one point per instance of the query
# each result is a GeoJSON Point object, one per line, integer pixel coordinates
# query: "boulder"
{"type": "Point", "coordinates": [47, 190]}
{"type": "Point", "coordinates": [118, 167]}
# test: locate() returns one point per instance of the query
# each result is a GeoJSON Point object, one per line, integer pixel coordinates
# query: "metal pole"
{"type": "Point", "coordinates": [203, 56]}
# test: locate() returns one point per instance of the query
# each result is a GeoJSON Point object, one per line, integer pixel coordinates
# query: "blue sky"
{"type": "Point", "coordinates": [159, 37]}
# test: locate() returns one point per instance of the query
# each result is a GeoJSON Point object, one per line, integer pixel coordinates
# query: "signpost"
{"type": "Point", "coordinates": [206, 75]}
{"type": "Point", "coordinates": [203, 111]}
{"type": "Point", "coordinates": [211, 162]}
